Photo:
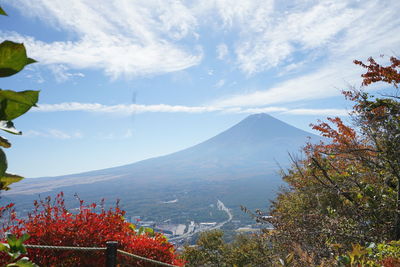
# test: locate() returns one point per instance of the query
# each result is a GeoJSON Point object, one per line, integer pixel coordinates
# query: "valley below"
{"type": "Point", "coordinates": [184, 193]}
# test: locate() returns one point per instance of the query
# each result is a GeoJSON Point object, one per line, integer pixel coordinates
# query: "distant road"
{"type": "Point", "coordinates": [220, 206]}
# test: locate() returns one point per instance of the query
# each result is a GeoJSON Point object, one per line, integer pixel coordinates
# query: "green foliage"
{"type": "Point", "coordinates": [13, 59]}
{"type": "Point", "coordinates": [14, 104]}
{"type": "Point", "coordinates": [245, 250]}
{"type": "Point", "coordinates": [383, 254]}
{"type": "Point", "coordinates": [15, 250]}
{"type": "Point", "coordinates": [210, 250]}
{"type": "Point", "coordinates": [2, 12]}
{"type": "Point", "coordinates": [146, 231]}
{"type": "Point", "coordinates": [287, 261]}
{"type": "Point", "coordinates": [345, 190]}
{"type": "Point", "coordinates": [9, 179]}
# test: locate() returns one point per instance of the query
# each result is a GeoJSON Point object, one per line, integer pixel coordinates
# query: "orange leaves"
{"type": "Point", "coordinates": [345, 190]}
{"type": "Point", "coordinates": [342, 135]}
{"type": "Point", "coordinates": [376, 72]}
{"type": "Point", "coordinates": [343, 143]}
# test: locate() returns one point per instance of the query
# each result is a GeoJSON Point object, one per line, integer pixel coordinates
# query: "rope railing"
{"type": "Point", "coordinates": [110, 253]}
{"type": "Point", "coordinates": [144, 259]}
{"type": "Point", "coordinates": [65, 248]}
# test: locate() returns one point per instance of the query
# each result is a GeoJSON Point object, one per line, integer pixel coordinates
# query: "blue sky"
{"type": "Point", "coordinates": [123, 81]}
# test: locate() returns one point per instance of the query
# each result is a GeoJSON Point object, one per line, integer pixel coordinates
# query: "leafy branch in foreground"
{"type": "Point", "coordinates": [16, 250]}
{"type": "Point", "coordinates": [13, 59]}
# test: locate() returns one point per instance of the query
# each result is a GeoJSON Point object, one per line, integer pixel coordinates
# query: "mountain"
{"type": "Point", "coordinates": [238, 166]}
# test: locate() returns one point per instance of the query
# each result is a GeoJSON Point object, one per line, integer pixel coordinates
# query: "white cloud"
{"type": "Point", "coordinates": [126, 110]}
{"type": "Point", "coordinates": [315, 40]}
{"type": "Point", "coordinates": [128, 134]}
{"type": "Point", "coordinates": [54, 133]}
{"type": "Point", "coordinates": [220, 83]}
{"type": "Point", "coordinates": [122, 109]}
{"type": "Point", "coordinates": [326, 112]}
{"type": "Point", "coordinates": [352, 31]}
{"type": "Point", "coordinates": [327, 81]}
{"type": "Point", "coordinates": [270, 34]}
{"type": "Point", "coordinates": [145, 37]}
{"type": "Point", "coordinates": [62, 74]}
{"type": "Point", "coordinates": [115, 136]}
{"type": "Point", "coordinates": [222, 51]}
{"type": "Point", "coordinates": [257, 110]}
{"type": "Point", "coordinates": [120, 37]}
{"type": "Point", "coordinates": [34, 73]}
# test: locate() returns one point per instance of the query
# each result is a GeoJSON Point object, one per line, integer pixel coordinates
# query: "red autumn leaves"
{"type": "Point", "coordinates": [51, 223]}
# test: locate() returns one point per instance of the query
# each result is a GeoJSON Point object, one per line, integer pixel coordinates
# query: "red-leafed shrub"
{"type": "Point", "coordinates": [88, 226]}
{"type": "Point", "coordinates": [7, 218]}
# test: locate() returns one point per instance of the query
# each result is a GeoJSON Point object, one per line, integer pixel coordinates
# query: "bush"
{"type": "Point", "coordinates": [245, 250]}
{"type": "Point", "coordinates": [90, 226]}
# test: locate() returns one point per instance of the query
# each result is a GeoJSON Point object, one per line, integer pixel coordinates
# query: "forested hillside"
{"type": "Point", "coordinates": [342, 203]}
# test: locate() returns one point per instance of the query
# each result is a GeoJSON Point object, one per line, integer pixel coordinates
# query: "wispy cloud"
{"type": "Point", "coordinates": [320, 112]}
{"type": "Point", "coordinates": [276, 33]}
{"type": "Point", "coordinates": [126, 110]}
{"type": "Point", "coordinates": [316, 40]}
{"type": "Point", "coordinates": [114, 135]}
{"type": "Point", "coordinates": [53, 133]}
{"type": "Point", "coordinates": [62, 73]}
{"type": "Point", "coordinates": [328, 81]}
{"type": "Point", "coordinates": [222, 51]}
{"type": "Point", "coordinates": [122, 109]}
{"type": "Point", "coordinates": [120, 37]}
{"type": "Point", "coordinates": [220, 83]}
{"type": "Point", "coordinates": [147, 37]}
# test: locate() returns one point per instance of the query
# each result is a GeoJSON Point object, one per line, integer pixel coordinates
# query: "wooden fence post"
{"type": "Point", "coordinates": [111, 253]}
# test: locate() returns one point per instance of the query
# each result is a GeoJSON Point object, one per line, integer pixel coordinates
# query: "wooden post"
{"type": "Point", "coordinates": [111, 253]}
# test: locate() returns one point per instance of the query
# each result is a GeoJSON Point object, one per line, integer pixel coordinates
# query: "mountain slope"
{"type": "Point", "coordinates": [252, 147]}
{"type": "Point", "coordinates": [237, 166]}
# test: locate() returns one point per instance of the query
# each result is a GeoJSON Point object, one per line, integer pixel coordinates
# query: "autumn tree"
{"type": "Point", "coordinates": [346, 190]}
{"type": "Point", "coordinates": [244, 250]}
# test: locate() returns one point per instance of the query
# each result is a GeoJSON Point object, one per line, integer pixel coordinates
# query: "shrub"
{"type": "Point", "coordinates": [245, 250]}
{"type": "Point", "coordinates": [51, 223]}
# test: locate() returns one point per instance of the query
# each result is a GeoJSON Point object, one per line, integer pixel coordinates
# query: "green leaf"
{"type": "Point", "coordinates": [11, 240]}
{"type": "Point", "coordinates": [344, 260]}
{"type": "Point", "coordinates": [24, 262]}
{"type": "Point", "coordinates": [14, 255]}
{"type": "Point", "coordinates": [30, 61]}
{"type": "Point", "coordinates": [12, 58]}
{"type": "Point", "coordinates": [141, 230]}
{"type": "Point", "coordinates": [3, 163]}
{"type": "Point", "coordinates": [289, 258]}
{"type": "Point", "coordinates": [8, 126]}
{"type": "Point", "coordinates": [4, 247]}
{"type": "Point", "coordinates": [4, 142]}
{"type": "Point", "coordinates": [2, 12]}
{"type": "Point", "coordinates": [9, 179]}
{"type": "Point", "coordinates": [24, 237]}
{"type": "Point", "coordinates": [14, 104]}
{"type": "Point", "coordinates": [149, 231]}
